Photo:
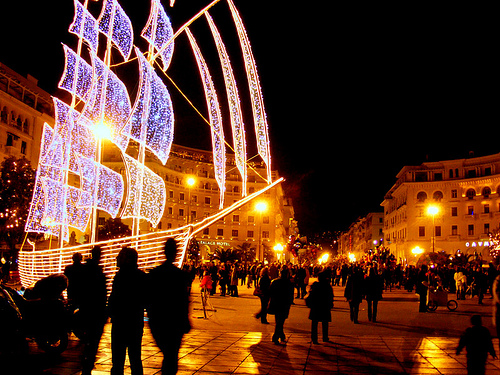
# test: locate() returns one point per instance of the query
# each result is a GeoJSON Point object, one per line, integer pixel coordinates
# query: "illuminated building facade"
{"type": "Point", "coordinates": [24, 107]}
{"type": "Point", "coordinates": [365, 234]}
{"type": "Point", "coordinates": [443, 206]}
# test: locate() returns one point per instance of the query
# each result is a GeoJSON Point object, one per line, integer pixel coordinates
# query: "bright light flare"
{"type": "Point", "coordinates": [352, 257]}
{"type": "Point", "coordinates": [261, 206]}
{"type": "Point", "coordinates": [102, 131]}
{"type": "Point", "coordinates": [432, 210]}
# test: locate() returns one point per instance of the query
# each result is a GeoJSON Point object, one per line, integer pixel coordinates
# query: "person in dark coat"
{"type": "Point", "coordinates": [126, 307]}
{"type": "Point", "coordinates": [374, 286]}
{"type": "Point", "coordinates": [422, 285]}
{"type": "Point", "coordinates": [264, 286]}
{"type": "Point", "coordinates": [320, 301]}
{"type": "Point", "coordinates": [168, 307]}
{"type": "Point", "coordinates": [74, 273]}
{"type": "Point", "coordinates": [354, 293]}
{"type": "Point", "coordinates": [477, 341]}
{"type": "Point", "coordinates": [93, 314]}
{"type": "Point", "coordinates": [281, 298]}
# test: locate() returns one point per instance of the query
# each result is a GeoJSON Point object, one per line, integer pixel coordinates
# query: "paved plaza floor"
{"type": "Point", "coordinates": [232, 341]}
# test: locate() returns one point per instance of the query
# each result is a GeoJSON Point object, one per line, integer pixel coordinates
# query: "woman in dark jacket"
{"type": "Point", "coordinates": [320, 301]}
{"type": "Point", "coordinates": [374, 285]}
{"type": "Point", "coordinates": [264, 286]}
{"type": "Point", "coordinates": [281, 298]}
{"type": "Point", "coordinates": [354, 292]}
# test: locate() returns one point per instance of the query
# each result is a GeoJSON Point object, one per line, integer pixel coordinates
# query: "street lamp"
{"type": "Point", "coordinates": [278, 248]}
{"type": "Point", "coordinates": [190, 183]}
{"type": "Point", "coordinates": [433, 210]}
{"type": "Point", "coordinates": [260, 207]}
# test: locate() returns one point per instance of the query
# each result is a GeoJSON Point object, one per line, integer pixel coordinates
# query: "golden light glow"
{"type": "Point", "coordinates": [191, 181]}
{"type": "Point", "coordinates": [102, 131]}
{"type": "Point", "coordinates": [432, 210]}
{"type": "Point", "coordinates": [324, 258]}
{"type": "Point", "coordinates": [261, 206]}
{"type": "Point", "coordinates": [417, 250]}
{"type": "Point", "coordinates": [352, 257]}
{"type": "Point", "coordinates": [278, 247]}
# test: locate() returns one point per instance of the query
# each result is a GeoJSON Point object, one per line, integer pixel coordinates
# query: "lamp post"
{"type": "Point", "coordinates": [260, 207]}
{"type": "Point", "coordinates": [433, 211]}
{"type": "Point", "coordinates": [190, 183]}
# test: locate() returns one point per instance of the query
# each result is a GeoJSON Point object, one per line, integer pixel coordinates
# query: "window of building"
{"type": "Point", "coordinates": [420, 176]}
{"type": "Point", "coordinates": [220, 232]}
{"type": "Point", "coordinates": [438, 176]}
{"type": "Point", "coordinates": [454, 230]}
{"type": "Point", "coordinates": [23, 147]}
{"type": "Point", "coordinates": [454, 211]}
{"type": "Point", "coordinates": [265, 234]}
{"type": "Point", "coordinates": [421, 231]}
{"type": "Point", "coordinates": [470, 210]}
{"type": "Point", "coordinates": [437, 196]}
{"type": "Point", "coordinates": [422, 196]}
{"type": "Point", "coordinates": [454, 193]}
{"type": "Point", "coordinates": [236, 189]}
{"type": "Point", "coordinates": [470, 230]}
{"type": "Point", "coordinates": [471, 173]}
{"type": "Point", "coordinates": [170, 210]}
{"type": "Point", "coordinates": [250, 234]}
{"type": "Point", "coordinates": [194, 199]}
{"type": "Point", "coordinates": [470, 194]}
{"type": "Point", "coordinates": [206, 231]}
{"type": "Point", "coordinates": [102, 221]}
{"type": "Point", "coordinates": [234, 233]}
{"type": "Point", "coordinates": [251, 219]}
{"type": "Point", "coordinates": [486, 208]}
{"type": "Point", "coordinates": [487, 171]}
{"type": "Point", "coordinates": [207, 200]}
{"type": "Point", "coordinates": [265, 220]}
{"type": "Point", "coordinates": [486, 228]}
{"type": "Point", "coordinates": [171, 194]}
{"type": "Point", "coordinates": [193, 215]}
{"type": "Point", "coordinates": [437, 231]}
{"type": "Point", "coordinates": [486, 192]}
{"type": "Point", "coordinates": [450, 173]}
{"type": "Point", "coordinates": [181, 211]}
{"type": "Point", "coordinates": [236, 218]}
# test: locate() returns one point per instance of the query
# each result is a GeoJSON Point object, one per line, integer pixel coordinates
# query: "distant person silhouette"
{"type": "Point", "coordinates": [281, 298]}
{"type": "Point", "coordinates": [477, 341]}
{"type": "Point", "coordinates": [92, 308]}
{"type": "Point", "coordinates": [320, 301]}
{"type": "Point", "coordinates": [168, 307]}
{"type": "Point", "coordinates": [126, 308]}
{"type": "Point", "coordinates": [74, 273]}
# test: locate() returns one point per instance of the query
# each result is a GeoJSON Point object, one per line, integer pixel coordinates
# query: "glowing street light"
{"type": "Point", "coordinates": [417, 250]}
{"type": "Point", "coordinates": [102, 131]}
{"type": "Point", "coordinates": [261, 207]}
{"type": "Point", "coordinates": [433, 210]}
{"type": "Point", "coordinates": [191, 181]}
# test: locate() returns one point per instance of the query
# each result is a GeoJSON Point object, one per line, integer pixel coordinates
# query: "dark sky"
{"type": "Point", "coordinates": [353, 93]}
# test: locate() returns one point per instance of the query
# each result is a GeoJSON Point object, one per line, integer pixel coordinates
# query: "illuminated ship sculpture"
{"type": "Point", "coordinates": [72, 183]}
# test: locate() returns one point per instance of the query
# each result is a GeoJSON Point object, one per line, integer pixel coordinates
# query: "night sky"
{"type": "Point", "coordinates": [353, 93]}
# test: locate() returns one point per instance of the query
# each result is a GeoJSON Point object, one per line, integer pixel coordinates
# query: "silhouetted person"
{"type": "Point", "coordinates": [320, 301]}
{"type": "Point", "coordinates": [374, 286]}
{"type": "Point", "coordinates": [74, 273]}
{"type": "Point", "coordinates": [126, 308]}
{"type": "Point", "coordinates": [168, 307]}
{"type": "Point", "coordinates": [354, 290]}
{"type": "Point", "coordinates": [281, 298]}
{"type": "Point", "coordinates": [477, 341]}
{"type": "Point", "coordinates": [421, 288]}
{"type": "Point", "coordinates": [92, 308]}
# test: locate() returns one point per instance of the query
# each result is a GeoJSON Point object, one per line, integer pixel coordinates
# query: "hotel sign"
{"type": "Point", "coordinates": [478, 244]}
{"type": "Point", "coordinates": [213, 243]}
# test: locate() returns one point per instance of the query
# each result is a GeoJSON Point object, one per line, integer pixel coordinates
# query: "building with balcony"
{"type": "Point", "coordinates": [465, 198]}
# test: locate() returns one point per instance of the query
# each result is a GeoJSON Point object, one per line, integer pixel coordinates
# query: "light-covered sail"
{"type": "Point", "coordinates": [146, 193]}
{"type": "Point", "coordinates": [214, 116]}
{"type": "Point", "coordinates": [233, 99]}
{"type": "Point", "coordinates": [152, 119]}
{"type": "Point", "coordinates": [77, 76]}
{"type": "Point", "coordinates": [259, 113]}
{"type": "Point", "coordinates": [85, 26]}
{"type": "Point", "coordinates": [115, 24]}
{"type": "Point", "coordinates": [109, 102]}
{"type": "Point", "coordinates": [158, 31]}
{"type": "Point", "coordinates": [57, 202]}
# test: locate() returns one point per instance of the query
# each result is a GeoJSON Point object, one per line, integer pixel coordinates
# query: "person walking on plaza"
{"type": "Point", "coordinates": [478, 343]}
{"type": "Point", "coordinates": [354, 292]}
{"type": "Point", "coordinates": [320, 301]}
{"type": "Point", "coordinates": [126, 307]}
{"type": "Point", "coordinates": [168, 307]}
{"type": "Point", "coordinates": [281, 298]}
{"type": "Point", "coordinates": [421, 288]}
{"type": "Point", "coordinates": [74, 273]}
{"type": "Point", "coordinates": [93, 313]}
{"type": "Point", "coordinates": [263, 294]}
{"type": "Point", "coordinates": [374, 286]}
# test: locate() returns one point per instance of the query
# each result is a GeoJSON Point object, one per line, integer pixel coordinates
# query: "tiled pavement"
{"type": "Point", "coordinates": [218, 352]}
